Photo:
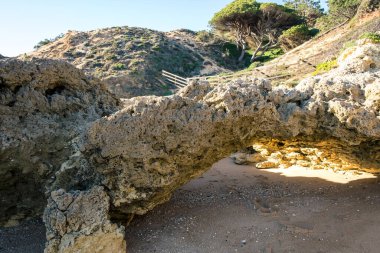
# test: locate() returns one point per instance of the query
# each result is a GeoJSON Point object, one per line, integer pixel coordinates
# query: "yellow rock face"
{"type": "Point", "coordinates": [97, 243]}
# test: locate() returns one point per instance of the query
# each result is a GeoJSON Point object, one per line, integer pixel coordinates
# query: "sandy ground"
{"type": "Point", "coordinates": [236, 208]}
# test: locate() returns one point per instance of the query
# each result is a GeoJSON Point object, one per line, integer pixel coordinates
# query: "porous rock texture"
{"type": "Point", "coordinates": [44, 106]}
{"type": "Point", "coordinates": [359, 111]}
{"type": "Point", "coordinates": [142, 153]}
{"type": "Point", "coordinates": [128, 162]}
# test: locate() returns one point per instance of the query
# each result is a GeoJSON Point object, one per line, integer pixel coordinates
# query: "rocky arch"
{"type": "Point", "coordinates": [128, 162]}
{"type": "Point", "coordinates": [142, 153]}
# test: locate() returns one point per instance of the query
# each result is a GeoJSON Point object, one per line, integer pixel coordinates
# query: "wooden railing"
{"type": "Point", "coordinates": [221, 78]}
{"type": "Point", "coordinates": [177, 81]}
{"type": "Point", "coordinates": [181, 82]}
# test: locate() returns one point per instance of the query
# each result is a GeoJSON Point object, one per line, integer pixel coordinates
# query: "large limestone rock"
{"type": "Point", "coordinates": [44, 106]}
{"type": "Point", "coordinates": [106, 167]}
{"type": "Point", "coordinates": [79, 222]}
{"type": "Point", "coordinates": [143, 152]}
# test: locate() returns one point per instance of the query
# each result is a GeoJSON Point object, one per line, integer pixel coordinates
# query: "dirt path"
{"type": "Point", "coordinates": [242, 209]}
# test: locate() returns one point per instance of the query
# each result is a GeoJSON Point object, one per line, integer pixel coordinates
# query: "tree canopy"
{"type": "Point", "coordinates": [340, 11]}
{"type": "Point", "coordinates": [237, 19]}
{"type": "Point", "coordinates": [261, 23]}
{"type": "Point", "coordinates": [346, 8]}
{"type": "Point", "coordinates": [310, 10]}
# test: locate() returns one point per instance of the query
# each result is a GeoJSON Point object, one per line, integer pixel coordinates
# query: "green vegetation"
{"type": "Point", "coordinates": [42, 43]}
{"type": "Point", "coordinates": [268, 55]}
{"type": "Point", "coordinates": [325, 67]}
{"type": "Point", "coordinates": [118, 66]}
{"type": "Point", "coordinates": [345, 8]}
{"type": "Point", "coordinates": [205, 36]}
{"type": "Point", "coordinates": [295, 36]}
{"type": "Point", "coordinates": [374, 37]}
{"type": "Point", "coordinates": [47, 41]}
{"type": "Point", "coordinates": [257, 24]}
{"type": "Point", "coordinates": [339, 12]}
{"type": "Point", "coordinates": [310, 10]}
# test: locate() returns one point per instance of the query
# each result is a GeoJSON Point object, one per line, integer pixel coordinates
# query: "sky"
{"type": "Point", "coordinates": [23, 23]}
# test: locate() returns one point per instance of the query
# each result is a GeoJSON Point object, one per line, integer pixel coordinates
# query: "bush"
{"type": "Point", "coordinates": [118, 66]}
{"type": "Point", "coordinates": [325, 67]}
{"type": "Point", "coordinates": [373, 37]}
{"type": "Point", "coordinates": [295, 36]}
{"type": "Point", "coordinates": [205, 36]}
{"type": "Point", "coordinates": [42, 43]}
{"type": "Point", "coordinates": [47, 41]}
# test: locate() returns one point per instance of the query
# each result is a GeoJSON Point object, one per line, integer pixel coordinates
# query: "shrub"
{"type": "Point", "coordinates": [47, 41]}
{"type": "Point", "coordinates": [97, 65]}
{"type": "Point", "coordinates": [295, 36]}
{"type": "Point", "coordinates": [118, 66]}
{"type": "Point", "coordinates": [373, 37]}
{"type": "Point", "coordinates": [205, 36]}
{"type": "Point", "coordinates": [111, 57]}
{"type": "Point", "coordinates": [42, 43]}
{"type": "Point", "coordinates": [325, 67]}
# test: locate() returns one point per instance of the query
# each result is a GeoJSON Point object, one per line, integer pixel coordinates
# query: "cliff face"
{"type": "Point", "coordinates": [44, 105]}
{"type": "Point", "coordinates": [129, 60]}
{"type": "Point", "coordinates": [110, 164]}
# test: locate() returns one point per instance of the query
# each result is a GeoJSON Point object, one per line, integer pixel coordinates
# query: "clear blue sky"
{"type": "Point", "coordinates": [23, 23]}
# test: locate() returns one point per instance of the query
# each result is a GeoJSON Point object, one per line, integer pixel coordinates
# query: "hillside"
{"type": "Point", "coordinates": [130, 60]}
{"type": "Point", "coordinates": [301, 61]}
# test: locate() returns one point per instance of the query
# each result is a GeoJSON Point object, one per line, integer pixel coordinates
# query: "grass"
{"type": "Point", "coordinates": [373, 37]}
{"type": "Point", "coordinates": [267, 56]}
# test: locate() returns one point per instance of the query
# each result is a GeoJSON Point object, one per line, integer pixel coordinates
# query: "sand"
{"type": "Point", "coordinates": [238, 208]}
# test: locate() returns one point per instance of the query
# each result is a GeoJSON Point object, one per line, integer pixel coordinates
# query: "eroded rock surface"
{"type": "Point", "coordinates": [143, 152]}
{"type": "Point", "coordinates": [44, 106]}
{"type": "Point", "coordinates": [79, 222]}
{"type": "Point", "coordinates": [128, 162]}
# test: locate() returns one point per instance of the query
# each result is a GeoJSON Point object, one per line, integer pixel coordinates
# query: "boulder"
{"type": "Point", "coordinates": [44, 106]}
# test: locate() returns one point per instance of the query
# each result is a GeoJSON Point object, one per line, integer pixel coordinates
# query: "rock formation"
{"type": "Point", "coordinates": [143, 152]}
{"type": "Point", "coordinates": [44, 106]}
{"type": "Point", "coordinates": [128, 162]}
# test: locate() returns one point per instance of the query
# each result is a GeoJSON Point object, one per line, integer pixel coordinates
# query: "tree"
{"type": "Point", "coordinates": [262, 23]}
{"type": "Point", "coordinates": [308, 9]}
{"type": "Point", "coordinates": [345, 8]}
{"type": "Point", "coordinates": [272, 20]}
{"type": "Point", "coordinates": [236, 19]}
{"type": "Point", "coordinates": [367, 6]}
{"type": "Point", "coordinates": [295, 36]}
{"type": "Point", "coordinates": [340, 11]}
